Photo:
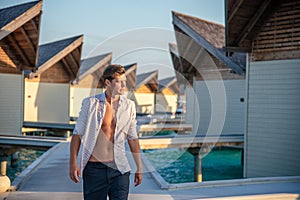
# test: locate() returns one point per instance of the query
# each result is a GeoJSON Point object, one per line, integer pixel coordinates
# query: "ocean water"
{"type": "Point", "coordinates": [26, 157]}
{"type": "Point", "coordinates": [177, 165]}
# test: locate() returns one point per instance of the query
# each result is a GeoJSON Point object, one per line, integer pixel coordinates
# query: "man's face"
{"type": "Point", "coordinates": [118, 85]}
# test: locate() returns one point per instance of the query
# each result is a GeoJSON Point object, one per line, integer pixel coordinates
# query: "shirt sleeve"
{"type": "Point", "coordinates": [132, 132]}
{"type": "Point", "coordinates": [82, 119]}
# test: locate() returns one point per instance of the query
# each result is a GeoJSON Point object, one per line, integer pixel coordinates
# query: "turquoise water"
{"type": "Point", "coordinates": [26, 157]}
{"type": "Point", "coordinates": [177, 165]}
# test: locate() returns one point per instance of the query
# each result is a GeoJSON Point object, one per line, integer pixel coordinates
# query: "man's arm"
{"type": "Point", "coordinates": [135, 150]}
{"type": "Point", "coordinates": [79, 130]}
{"type": "Point", "coordinates": [74, 149]}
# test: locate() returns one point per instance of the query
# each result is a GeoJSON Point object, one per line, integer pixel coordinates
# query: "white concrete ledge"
{"type": "Point", "coordinates": [154, 174]}
{"type": "Point", "coordinates": [260, 197]}
{"type": "Point", "coordinates": [234, 182]}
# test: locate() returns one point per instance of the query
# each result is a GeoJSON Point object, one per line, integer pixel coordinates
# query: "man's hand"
{"type": "Point", "coordinates": [138, 177]}
{"type": "Point", "coordinates": [74, 173]}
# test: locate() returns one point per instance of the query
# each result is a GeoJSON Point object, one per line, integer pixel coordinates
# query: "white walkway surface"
{"type": "Point", "coordinates": [48, 179]}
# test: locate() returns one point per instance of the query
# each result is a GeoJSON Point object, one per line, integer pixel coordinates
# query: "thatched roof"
{"type": "Point", "coordinates": [176, 63]}
{"type": "Point", "coordinates": [9, 14]}
{"type": "Point", "coordinates": [169, 82]}
{"type": "Point", "coordinates": [66, 51]}
{"type": "Point", "coordinates": [208, 35]}
{"type": "Point", "coordinates": [149, 79]}
{"type": "Point", "coordinates": [93, 64]}
{"type": "Point", "coordinates": [19, 36]}
{"type": "Point", "coordinates": [130, 76]}
{"type": "Point", "coordinates": [212, 32]}
{"type": "Point", "coordinates": [173, 49]}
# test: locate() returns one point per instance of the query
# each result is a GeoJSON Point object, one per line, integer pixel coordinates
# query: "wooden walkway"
{"type": "Point", "coordinates": [29, 141]}
{"type": "Point", "coordinates": [48, 125]}
{"type": "Point", "coordinates": [186, 141]}
{"type": "Point", "coordinates": [164, 127]}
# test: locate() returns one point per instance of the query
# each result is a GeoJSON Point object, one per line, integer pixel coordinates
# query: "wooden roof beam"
{"type": "Point", "coordinates": [11, 53]}
{"type": "Point", "coordinates": [19, 21]}
{"type": "Point", "coordinates": [247, 30]}
{"type": "Point", "coordinates": [235, 7]}
{"type": "Point", "coordinates": [77, 51]}
{"type": "Point", "coordinates": [173, 49]}
{"type": "Point", "coordinates": [74, 61]}
{"type": "Point", "coordinates": [180, 69]}
{"type": "Point", "coordinates": [152, 86]}
{"type": "Point", "coordinates": [15, 45]}
{"type": "Point", "coordinates": [34, 25]}
{"type": "Point", "coordinates": [200, 55]}
{"type": "Point", "coordinates": [67, 66]}
{"type": "Point", "coordinates": [237, 49]}
{"type": "Point", "coordinates": [37, 25]}
{"type": "Point", "coordinates": [28, 40]}
{"type": "Point", "coordinates": [76, 64]}
{"type": "Point", "coordinates": [191, 67]}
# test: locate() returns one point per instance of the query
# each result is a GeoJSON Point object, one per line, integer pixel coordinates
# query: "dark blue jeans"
{"type": "Point", "coordinates": [104, 179]}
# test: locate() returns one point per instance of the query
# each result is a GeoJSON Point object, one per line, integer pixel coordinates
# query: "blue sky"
{"type": "Point", "coordinates": [133, 30]}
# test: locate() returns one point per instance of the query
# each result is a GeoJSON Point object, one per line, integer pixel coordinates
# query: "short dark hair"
{"type": "Point", "coordinates": [112, 71]}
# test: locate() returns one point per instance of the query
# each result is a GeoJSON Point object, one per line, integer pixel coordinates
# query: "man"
{"type": "Point", "coordinates": [105, 122]}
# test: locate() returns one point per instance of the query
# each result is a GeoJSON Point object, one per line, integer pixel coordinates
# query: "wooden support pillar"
{"type": "Point", "coordinates": [68, 134]}
{"type": "Point", "coordinates": [198, 168]}
{"type": "Point", "coordinates": [14, 159]}
{"type": "Point", "coordinates": [3, 165]}
{"type": "Point", "coordinates": [4, 180]}
{"type": "Point", "coordinates": [197, 163]}
{"type": "Point", "coordinates": [154, 111]}
{"type": "Point", "coordinates": [242, 159]}
{"type": "Point", "coordinates": [198, 153]}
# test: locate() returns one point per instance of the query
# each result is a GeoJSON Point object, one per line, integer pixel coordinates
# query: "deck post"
{"type": "Point", "coordinates": [198, 153]}
{"type": "Point", "coordinates": [3, 165]}
{"type": "Point", "coordinates": [4, 180]}
{"type": "Point", "coordinates": [195, 151]}
{"type": "Point", "coordinates": [14, 159]}
{"type": "Point", "coordinates": [242, 159]}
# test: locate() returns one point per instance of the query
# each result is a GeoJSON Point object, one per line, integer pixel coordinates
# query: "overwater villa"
{"type": "Point", "coordinates": [182, 83]}
{"type": "Point", "coordinates": [266, 31]}
{"type": "Point", "coordinates": [19, 35]}
{"type": "Point", "coordinates": [58, 65]}
{"type": "Point", "coordinates": [212, 78]}
{"type": "Point", "coordinates": [88, 81]}
{"type": "Point", "coordinates": [144, 95]}
{"type": "Point", "coordinates": [167, 96]}
{"type": "Point", "coordinates": [130, 79]}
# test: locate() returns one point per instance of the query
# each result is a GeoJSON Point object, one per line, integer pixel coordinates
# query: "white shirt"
{"type": "Point", "coordinates": [90, 120]}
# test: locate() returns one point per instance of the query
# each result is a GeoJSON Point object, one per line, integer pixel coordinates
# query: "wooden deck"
{"type": "Point", "coordinates": [164, 127]}
{"type": "Point", "coordinates": [10, 141]}
{"type": "Point", "coordinates": [187, 141]}
{"type": "Point", "coordinates": [47, 125]}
